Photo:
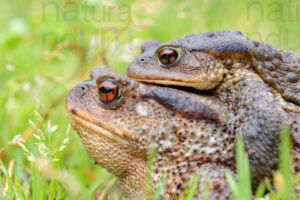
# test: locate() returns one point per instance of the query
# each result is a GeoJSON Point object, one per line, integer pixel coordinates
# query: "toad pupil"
{"type": "Point", "coordinates": [167, 56]}
{"type": "Point", "coordinates": [108, 90]}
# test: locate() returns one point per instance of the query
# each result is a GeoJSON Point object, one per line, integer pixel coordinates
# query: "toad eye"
{"type": "Point", "coordinates": [167, 56]}
{"type": "Point", "coordinates": [108, 90]}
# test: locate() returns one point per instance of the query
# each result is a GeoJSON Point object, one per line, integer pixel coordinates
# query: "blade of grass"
{"type": "Point", "coordinates": [161, 186]}
{"type": "Point", "coordinates": [37, 184]}
{"type": "Point", "coordinates": [149, 171]}
{"type": "Point", "coordinates": [243, 171]}
{"type": "Point", "coordinates": [232, 184]}
{"type": "Point", "coordinates": [260, 191]}
{"type": "Point", "coordinates": [9, 183]}
{"type": "Point", "coordinates": [286, 187]}
{"type": "Point", "coordinates": [242, 188]}
{"type": "Point", "coordinates": [193, 188]}
{"type": "Point", "coordinates": [9, 195]}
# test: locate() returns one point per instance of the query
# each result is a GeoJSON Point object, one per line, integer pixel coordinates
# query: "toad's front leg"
{"type": "Point", "coordinates": [258, 118]}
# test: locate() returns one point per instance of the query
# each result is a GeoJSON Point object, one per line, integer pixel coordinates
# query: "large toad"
{"type": "Point", "coordinates": [119, 121]}
{"type": "Point", "coordinates": [257, 81]}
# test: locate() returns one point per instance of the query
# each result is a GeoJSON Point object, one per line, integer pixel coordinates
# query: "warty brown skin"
{"type": "Point", "coordinates": [249, 77]}
{"type": "Point", "coordinates": [189, 140]}
{"type": "Point", "coordinates": [193, 134]}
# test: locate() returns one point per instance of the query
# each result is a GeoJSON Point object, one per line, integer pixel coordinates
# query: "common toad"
{"type": "Point", "coordinates": [119, 121]}
{"type": "Point", "coordinates": [249, 77]}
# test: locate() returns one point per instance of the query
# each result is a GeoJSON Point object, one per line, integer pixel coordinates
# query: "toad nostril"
{"type": "Point", "coordinates": [142, 59]}
{"type": "Point", "coordinates": [74, 111]}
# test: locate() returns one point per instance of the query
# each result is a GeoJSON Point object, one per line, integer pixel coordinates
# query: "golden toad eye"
{"type": "Point", "coordinates": [108, 90]}
{"type": "Point", "coordinates": [167, 56]}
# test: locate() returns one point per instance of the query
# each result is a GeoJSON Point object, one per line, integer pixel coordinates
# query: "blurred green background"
{"type": "Point", "coordinates": [46, 47]}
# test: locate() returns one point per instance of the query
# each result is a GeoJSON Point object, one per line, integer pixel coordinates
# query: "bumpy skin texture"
{"type": "Point", "coordinates": [258, 118]}
{"type": "Point", "coordinates": [193, 134]}
{"type": "Point", "coordinates": [250, 77]}
{"type": "Point", "coordinates": [207, 58]}
{"type": "Point", "coordinates": [120, 135]}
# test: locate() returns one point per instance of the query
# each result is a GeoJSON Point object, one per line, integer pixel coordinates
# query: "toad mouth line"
{"type": "Point", "coordinates": [188, 84]}
{"type": "Point", "coordinates": [177, 85]}
{"type": "Point", "coordinates": [164, 82]}
{"type": "Point", "coordinates": [99, 130]}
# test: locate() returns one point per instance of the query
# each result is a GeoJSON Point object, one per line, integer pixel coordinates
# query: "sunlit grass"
{"type": "Point", "coordinates": [49, 177]}
{"type": "Point", "coordinates": [32, 66]}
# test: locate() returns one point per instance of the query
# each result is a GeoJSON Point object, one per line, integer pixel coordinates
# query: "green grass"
{"type": "Point", "coordinates": [241, 189]}
{"type": "Point", "coordinates": [35, 64]}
